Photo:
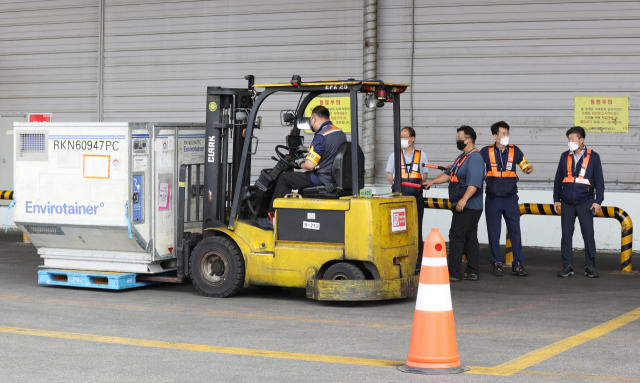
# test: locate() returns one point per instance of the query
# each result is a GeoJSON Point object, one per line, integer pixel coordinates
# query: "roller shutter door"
{"type": "Point", "coordinates": [160, 56]}
{"type": "Point", "coordinates": [523, 62]}
{"type": "Point", "coordinates": [49, 58]}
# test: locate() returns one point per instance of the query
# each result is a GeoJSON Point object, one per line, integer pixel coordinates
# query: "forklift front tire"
{"type": "Point", "coordinates": [343, 271]}
{"type": "Point", "coordinates": [216, 267]}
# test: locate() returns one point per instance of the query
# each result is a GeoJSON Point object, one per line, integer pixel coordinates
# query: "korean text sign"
{"type": "Point", "coordinates": [339, 109]}
{"type": "Point", "coordinates": [602, 114]}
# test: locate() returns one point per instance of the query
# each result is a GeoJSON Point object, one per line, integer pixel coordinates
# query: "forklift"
{"type": "Point", "coordinates": [332, 240]}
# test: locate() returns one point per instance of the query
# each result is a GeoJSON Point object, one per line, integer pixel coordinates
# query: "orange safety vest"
{"type": "Point", "coordinates": [494, 166]}
{"type": "Point", "coordinates": [458, 164]}
{"type": "Point", "coordinates": [412, 174]}
{"type": "Point", "coordinates": [569, 179]}
{"type": "Point", "coordinates": [414, 170]}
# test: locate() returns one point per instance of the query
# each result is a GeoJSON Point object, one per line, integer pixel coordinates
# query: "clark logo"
{"type": "Point", "coordinates": [211, 149]}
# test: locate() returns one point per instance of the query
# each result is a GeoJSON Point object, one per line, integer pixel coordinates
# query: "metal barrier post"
{"type": "Point", "coordinates": [6, 194]}
{"type": "Point", "coordinates": [626, 226]}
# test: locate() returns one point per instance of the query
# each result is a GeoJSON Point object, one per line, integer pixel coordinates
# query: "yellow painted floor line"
{"type": "Point", "coordinates": [202, 348]}
{"type": "Point", "coordinates": [281, 354]}
{"type": "Point", "coordinates": [544, 353]}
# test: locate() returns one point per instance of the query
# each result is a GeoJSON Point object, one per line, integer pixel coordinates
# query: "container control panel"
{"type": "Point", "coordinates": [137, 198]}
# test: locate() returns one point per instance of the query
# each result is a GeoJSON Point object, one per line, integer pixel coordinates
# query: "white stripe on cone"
{"type": "Point", "coordinates": [433, 298]}
{"type": "Point", "coordinates": [440, 261]}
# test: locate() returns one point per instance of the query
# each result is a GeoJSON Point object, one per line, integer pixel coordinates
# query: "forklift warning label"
{"type": "Point", "coordinates": [398, 219]}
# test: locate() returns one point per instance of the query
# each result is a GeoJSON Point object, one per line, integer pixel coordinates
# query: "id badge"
{"type": "Point", "coordinates": [583, 171]}
{"type": "Point", "coordinates": [415, 167]}
{"type": "Point", "coordinates": [509, 164]}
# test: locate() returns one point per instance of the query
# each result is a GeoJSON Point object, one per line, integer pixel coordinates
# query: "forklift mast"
{"type": "Point", "coordinates": [227, 113]}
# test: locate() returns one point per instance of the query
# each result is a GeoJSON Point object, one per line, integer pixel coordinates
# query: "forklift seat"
{"type": "Point", "coordinates": [341, 173]}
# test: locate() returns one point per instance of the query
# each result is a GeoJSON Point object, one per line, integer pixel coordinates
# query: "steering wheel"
{"type": "Point", "coordinates": [286, 158]}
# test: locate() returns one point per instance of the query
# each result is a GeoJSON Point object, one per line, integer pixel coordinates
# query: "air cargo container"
{"type": "Point", "coordinates": [102, 196]}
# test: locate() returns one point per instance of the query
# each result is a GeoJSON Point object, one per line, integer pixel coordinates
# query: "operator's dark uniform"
{"type": "Point", "coordinates": [322, 152]}
{"type": "Point", "coordinates": [577, 186]}
{"type": "Point", "coordinates": [502, 198]}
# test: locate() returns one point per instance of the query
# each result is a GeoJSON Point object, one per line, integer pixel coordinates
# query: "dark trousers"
{"type": "Point", "coordinates": [585, 217]}
{"type": "Point", "coordinates": [494, 210]}
{"type": "Point", "coordinates": [289, 181]}
{"type": "Point", "coordinates": [420, 207]}
{"type": "Point", "coordinates": [463, 240]}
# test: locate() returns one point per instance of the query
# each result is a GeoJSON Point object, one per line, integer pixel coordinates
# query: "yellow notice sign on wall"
{"type": "Point", "coordinates": [339, 108]}
{"type": "Point", "coordinates": [602, 114]}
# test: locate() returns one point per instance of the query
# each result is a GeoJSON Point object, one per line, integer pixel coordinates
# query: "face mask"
{"type": "Point", "coordinates": [404, 144]}
{"type": "Point", "coordinates": [504, 141]}
{"type": "Point", "coordinates": [573, 146]}
{"type": "Point", "coordinates": [461, 145]}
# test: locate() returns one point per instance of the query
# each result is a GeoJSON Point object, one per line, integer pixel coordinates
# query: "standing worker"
{"type": "Point", "coordinates": [579, 190]}
{"type": "Point", "coordinates": [412, 171]}
{"type": "Point", "coordinates": [502, 196]}
{"type": "Point", "coordinates": [465, 178]}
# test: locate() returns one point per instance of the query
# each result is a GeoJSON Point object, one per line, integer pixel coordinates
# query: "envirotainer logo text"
{"type": "Point", "coordinates": [67, 208]}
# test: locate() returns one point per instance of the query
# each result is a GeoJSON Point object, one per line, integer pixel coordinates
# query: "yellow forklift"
{"type": "Point", "coordinates": [338, 244]}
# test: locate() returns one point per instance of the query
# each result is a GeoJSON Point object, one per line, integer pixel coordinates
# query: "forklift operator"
{"type": "Point", "coordinates": [318, 163]}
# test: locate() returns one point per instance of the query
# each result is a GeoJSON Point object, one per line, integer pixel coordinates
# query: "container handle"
{"type": "Point", "coordinates": [126, 210]}
{"type": "Point", "coordinates": [6, 223]}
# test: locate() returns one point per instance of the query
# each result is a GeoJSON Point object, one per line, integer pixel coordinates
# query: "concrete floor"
{"type": "Point", "coordinates": [497, 320]}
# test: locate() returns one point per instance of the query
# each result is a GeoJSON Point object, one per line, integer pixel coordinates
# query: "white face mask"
{"type": "Point", "coordinates": [404, 144]}
{"type": "Point", "coordinates": [504, 141]}
{"type": "Point", "coordinates": [573, 146]}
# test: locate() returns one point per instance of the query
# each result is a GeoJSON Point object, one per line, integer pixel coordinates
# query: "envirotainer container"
{"type": "Point", "coordinates": [102, 196]}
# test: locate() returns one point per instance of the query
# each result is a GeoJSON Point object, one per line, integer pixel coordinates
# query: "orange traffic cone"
{"type": "Point", "coordinates": [433, 348]}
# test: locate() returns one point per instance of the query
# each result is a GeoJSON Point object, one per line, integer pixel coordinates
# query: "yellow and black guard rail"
{"type": "Point", "coordinates": [6, 194]}
{"type": "Point", "coordinates": [626, 225]}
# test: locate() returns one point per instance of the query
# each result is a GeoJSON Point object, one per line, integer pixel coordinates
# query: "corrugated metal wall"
{"type": "Point", "coordinates": [48, 57]}
{"type": "Point", "coordinates": [478, 62]}
{"type": "Point", "coordinates": [161, 55]}
{"type": "Point", "coordinates": [475, 62]}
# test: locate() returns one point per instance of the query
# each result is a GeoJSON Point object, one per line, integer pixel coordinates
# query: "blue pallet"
{"type": "Point", "coordinates": [90, 279]}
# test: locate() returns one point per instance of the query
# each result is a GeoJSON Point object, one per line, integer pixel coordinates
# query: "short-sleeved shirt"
{"type": "Point", "coordinates": [503, 158]}
{"type": "Point", "coordinates": [471, 173]}
{"type": "Point", "coordinates": [323, 150]}
{"type": "Point", "coordinates": [408, 158]}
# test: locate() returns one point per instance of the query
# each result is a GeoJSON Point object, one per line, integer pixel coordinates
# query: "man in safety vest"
{"type": "Point", "coordinates": [579, 190]}
{"type": "Point", "coordinates": [412, 171]}
{"type": "Point", "coordinates": [502, 196]}
{"type": "Point", "coordinates": [465, 177]}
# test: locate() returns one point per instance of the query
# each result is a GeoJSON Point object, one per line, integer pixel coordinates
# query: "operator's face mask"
{"type": "Point", "coordinates": [460, 144]}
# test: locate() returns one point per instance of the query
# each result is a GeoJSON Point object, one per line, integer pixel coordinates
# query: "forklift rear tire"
{"type": "Point", "coordinates": [343, 272]}
{"type": "Point", "coordinates": [216, 267]}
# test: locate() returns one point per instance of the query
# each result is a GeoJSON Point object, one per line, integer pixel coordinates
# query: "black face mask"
{"type": "Point", "coordinates": [460, 144]}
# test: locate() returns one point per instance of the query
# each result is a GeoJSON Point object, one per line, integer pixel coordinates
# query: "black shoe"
{"type": "Point", "coordinates": [590, 271]}
{"type": "Point", "coordinates": [497, 270]}
{"type": "Point", "coordinates": [454, 279]}
{"type": "Point", "coordinates": [566, 271]}
{"type": "Point", "coordinates": [518, 269]}
{"type": "Point", "coordinates": [470, 277]}
{"type": "Point", "coordinates": [265, 223]}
